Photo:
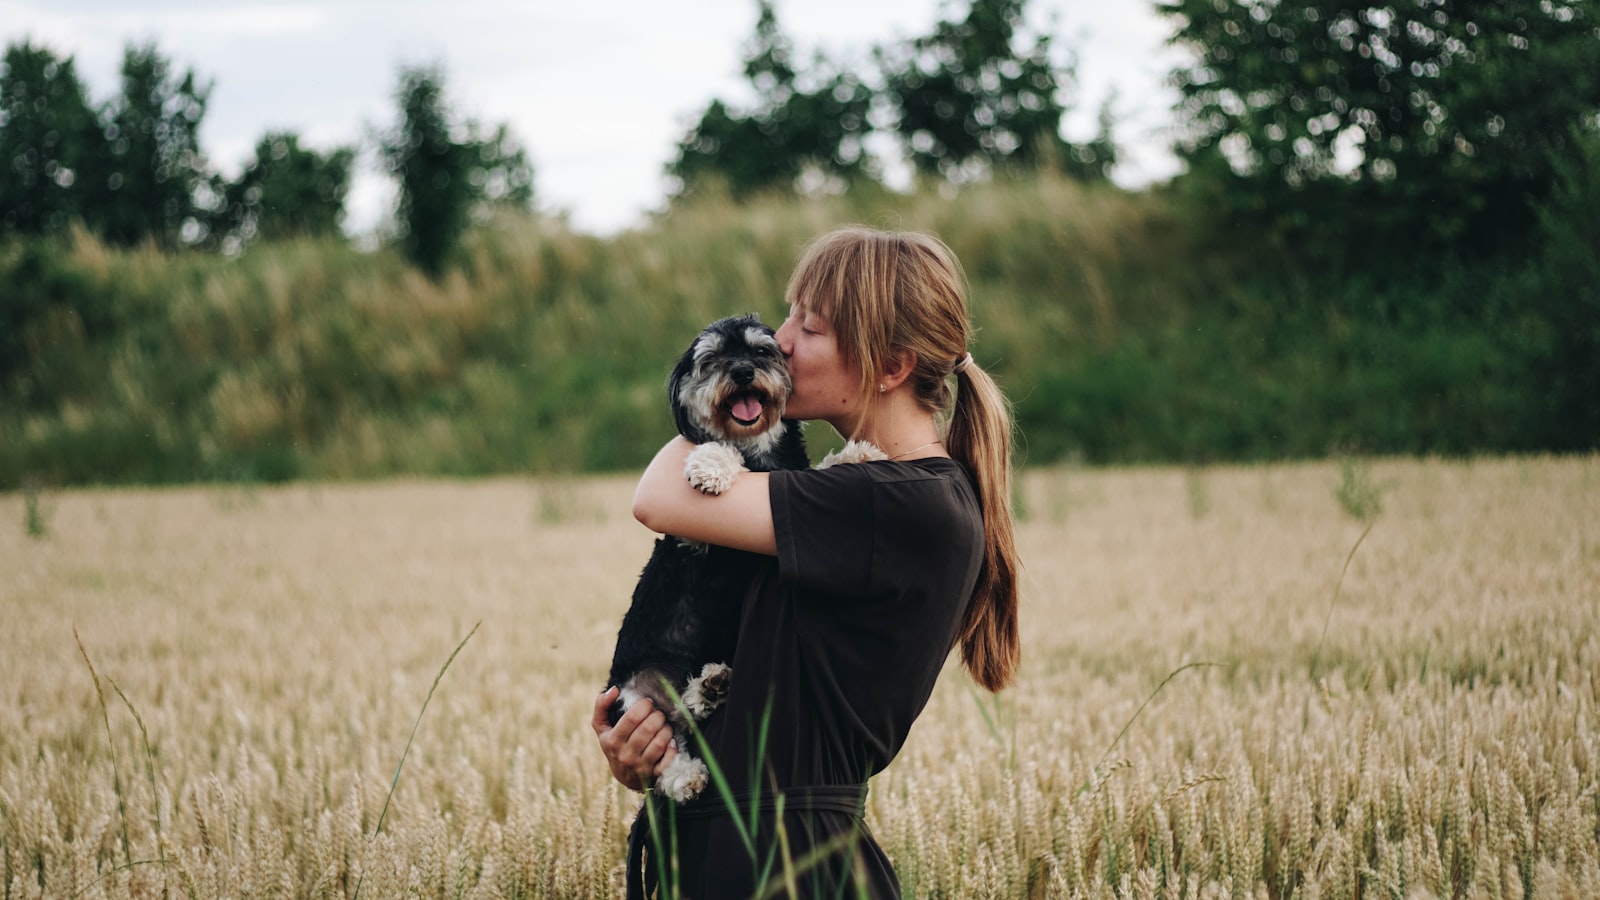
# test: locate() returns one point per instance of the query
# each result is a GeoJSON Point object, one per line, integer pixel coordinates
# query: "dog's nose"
{"type": "Point", "coordinates": [743, 375]}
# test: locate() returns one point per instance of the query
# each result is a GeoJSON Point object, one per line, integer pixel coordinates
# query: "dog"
{"type": "Point", "coordinates": [727, 394]}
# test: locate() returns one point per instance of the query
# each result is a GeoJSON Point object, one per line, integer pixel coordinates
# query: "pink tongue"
{"type": "Point", "coordinates": [747, 409]}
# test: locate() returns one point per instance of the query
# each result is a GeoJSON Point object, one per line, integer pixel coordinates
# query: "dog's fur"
{"type": "Point", "coordinates": [679, 634]}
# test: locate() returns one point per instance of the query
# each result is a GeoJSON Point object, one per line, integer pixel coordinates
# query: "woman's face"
{"type": "Point", "coordinates": [825, 385]}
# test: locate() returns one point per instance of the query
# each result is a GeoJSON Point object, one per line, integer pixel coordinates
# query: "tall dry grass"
{"type": "Point", "coordinates": [259, 658]}
{"type": "Point", "coordinates": [539, 350]}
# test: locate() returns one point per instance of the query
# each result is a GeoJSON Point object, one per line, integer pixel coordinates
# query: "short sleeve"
{"type": "Point", "coordinates": [823, 520]}
{"type": "Point", "coordinates": [874, 529]}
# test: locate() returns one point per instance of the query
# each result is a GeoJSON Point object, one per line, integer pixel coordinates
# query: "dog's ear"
{"type": "Point", "coordinates": [680, 415]}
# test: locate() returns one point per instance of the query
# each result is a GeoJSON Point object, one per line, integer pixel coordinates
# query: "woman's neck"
{"type": "Point", "coordinates": [901, 430]}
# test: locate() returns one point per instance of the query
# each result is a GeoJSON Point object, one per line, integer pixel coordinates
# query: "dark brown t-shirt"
{"type": "Point", "coordinates": [840, 643]}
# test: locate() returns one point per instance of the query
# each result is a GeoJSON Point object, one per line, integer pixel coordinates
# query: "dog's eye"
{"type": "Point", "coordinates": [760, 351]}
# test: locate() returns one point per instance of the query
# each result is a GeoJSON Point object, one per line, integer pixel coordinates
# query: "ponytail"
{"type": "Point", "coordinates": [979, 436]}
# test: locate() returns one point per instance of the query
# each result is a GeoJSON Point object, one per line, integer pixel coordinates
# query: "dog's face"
{"type": "Point", "coordinates": [731, 384]}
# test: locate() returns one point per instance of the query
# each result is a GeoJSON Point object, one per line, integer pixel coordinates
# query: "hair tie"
{"type": "Point", "coordinates": [961, 365]}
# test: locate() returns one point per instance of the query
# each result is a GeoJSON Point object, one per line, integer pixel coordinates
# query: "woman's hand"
{"type": "Point", "coordinates": [639, 746]}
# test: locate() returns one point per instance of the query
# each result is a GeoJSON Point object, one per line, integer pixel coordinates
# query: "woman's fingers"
{"type": "Point", "coordinates": [638, 742]}
{"type": "Point", "coordinates": [650, 736]}
{"type": "Point", "coordinates": [670, 753]}
{"type": "Point", "coordinates": [601, 723]}
{"type": "Point", "coordinates": [660, 739]}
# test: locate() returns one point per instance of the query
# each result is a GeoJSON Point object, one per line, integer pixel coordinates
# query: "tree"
{"type": "Point", "coordinates": [285, 191]}
{"type": "Point", "coordinates": [803, 124]}
{"type": "Point", "coordinates": [446, 171]}
{"type": "Point", "coordinates": [152, 181]}
{"type": "Point", "coordinates": [48, 141]}
{"type": "Point", "coordinates": [970, 101]}
{"type": "Point", "coordinates": [1419, 123]}
{"type": "Point", "coordinates": [502, 176]}
{"type": "Point", "coordinates": [1565, 280]}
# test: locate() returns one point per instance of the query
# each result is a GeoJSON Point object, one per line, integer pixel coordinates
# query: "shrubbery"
{"type": "Point", "coordinates": [1124, 328]}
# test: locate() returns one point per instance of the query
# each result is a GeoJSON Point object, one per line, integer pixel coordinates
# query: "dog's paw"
{"type": "Point", "coordinates": [713, 468]}
{"type": "Point", "coordinates": [706, 691]}
{"type": "Point", "coordinates": [853, 452]}
{"type": "Point", "coordinates": [684, 778]}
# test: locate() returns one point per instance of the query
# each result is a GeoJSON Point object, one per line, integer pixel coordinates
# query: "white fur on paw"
{"type": "Point", "coordinates": [713, 468]}
{"type": "Point", "coordinates": [700, 700]}
{"type": "Point", "coordinates": [853, 452]}
{"type": "Point", "coordinates": [685, 777]}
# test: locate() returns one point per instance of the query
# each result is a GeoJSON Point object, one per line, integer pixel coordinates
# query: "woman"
{"type": "Point", "coordinates": [879, 569]}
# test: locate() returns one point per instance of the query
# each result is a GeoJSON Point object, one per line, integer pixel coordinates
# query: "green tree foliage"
{"type": "Point", "coordinates": [152, 181]}
{"type": "Point", "coordinates": [976, 97]}
{"type": "Point", "coordinates": [48, 141]}
{"type": "Point", "coordinates": [501, 176]}
{"type": "Point", "coordinates": [811, 123]}
{"type": "Point", "coordinates": [37, 306]}
{"type": "Point", "coordinates": [1439, 123]}
{"type": "Point", "coordinates": [446, 171]}
{"type": "Point", "coordinates": [1565, 279]}
{"type": "Point", "coordinates": [285, 191]}
{"type": "Point", "coordinates": [431, 167]}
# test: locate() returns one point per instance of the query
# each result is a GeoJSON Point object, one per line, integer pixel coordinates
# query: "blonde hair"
{"type": "Point", "coordinates": [889, 293]}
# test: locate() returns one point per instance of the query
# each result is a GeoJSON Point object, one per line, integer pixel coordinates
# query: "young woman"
{"type": "Point", "coordinates": [879, 570]}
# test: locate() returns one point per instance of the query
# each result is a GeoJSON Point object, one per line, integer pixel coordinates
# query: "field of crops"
{"type": "Point", "coordinates": [1231, 688]}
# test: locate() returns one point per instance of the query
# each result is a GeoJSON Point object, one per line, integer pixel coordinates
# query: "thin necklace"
{"type": "Point", "coordinates": [915, 449]}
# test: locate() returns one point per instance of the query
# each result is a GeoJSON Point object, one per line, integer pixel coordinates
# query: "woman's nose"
{"type": "Point", "coordinates": [784, 337]}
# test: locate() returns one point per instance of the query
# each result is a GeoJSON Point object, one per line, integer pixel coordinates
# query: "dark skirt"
{"type": "Point", "coordinates": [703, 850]}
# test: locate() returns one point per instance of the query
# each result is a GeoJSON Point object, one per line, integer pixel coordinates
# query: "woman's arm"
{"type": "Point", "coordinates": [740, 517]}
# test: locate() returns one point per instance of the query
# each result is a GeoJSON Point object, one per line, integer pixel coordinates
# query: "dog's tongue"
{"type": "Point", "coordinates": [746, 409]}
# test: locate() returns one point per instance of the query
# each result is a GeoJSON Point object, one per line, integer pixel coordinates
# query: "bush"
{"type": "Point", "coordinates": [1126, 328]}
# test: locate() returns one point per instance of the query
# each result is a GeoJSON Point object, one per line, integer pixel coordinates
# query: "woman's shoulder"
{"type": "Point", "coordinates": [936, 480]}
{"type": "Point", "coordinates": [938, 473]}
{"type": "Point", "coordinates": [932, 470]}
{"type": "Point", "coordinates": [934, 487]}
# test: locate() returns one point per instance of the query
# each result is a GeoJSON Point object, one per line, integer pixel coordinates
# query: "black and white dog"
{"type": "Point", "coordinates": [727, 394]}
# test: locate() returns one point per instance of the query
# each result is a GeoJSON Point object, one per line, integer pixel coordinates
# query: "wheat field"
{"type": "Point", "coordinates": [206, 692]}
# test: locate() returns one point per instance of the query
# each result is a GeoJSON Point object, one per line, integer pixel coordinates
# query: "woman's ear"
{"type": "Point", "coordinates": [900, 368]}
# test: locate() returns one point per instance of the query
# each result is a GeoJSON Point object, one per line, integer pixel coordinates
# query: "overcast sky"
{"type": "Point", "coordinates": [598, 92]}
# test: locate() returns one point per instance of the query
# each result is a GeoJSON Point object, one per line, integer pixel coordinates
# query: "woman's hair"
{"type": "Point", "coordinates": [889, 293]}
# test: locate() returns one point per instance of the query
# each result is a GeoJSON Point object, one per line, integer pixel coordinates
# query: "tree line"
{"type": "Point", "coordinates": [981, 95]}
{"type": "Point", "coordinates": [1388, 129]}
{"type": "Point", "coordinates": [978, 95]}
{"type": "Point", "coordinates": [1336, 127]}
{"type": "Point", "coordinates": [131, 169]}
